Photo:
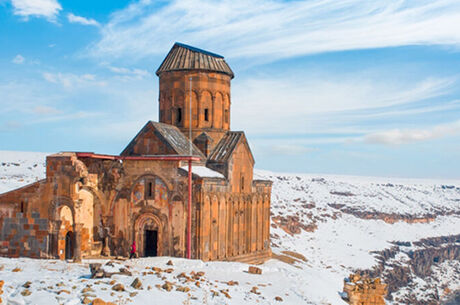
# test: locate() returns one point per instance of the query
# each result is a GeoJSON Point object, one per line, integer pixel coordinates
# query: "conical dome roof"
{"type": "Point", "coordinates": [183, 57]}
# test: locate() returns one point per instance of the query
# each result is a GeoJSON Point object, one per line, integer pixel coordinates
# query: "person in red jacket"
{"type": "Point", "coordinates": [132, 253]}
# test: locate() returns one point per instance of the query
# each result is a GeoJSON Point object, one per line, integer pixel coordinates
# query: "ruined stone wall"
{"type": "Point", "coordinates": [22, 235]}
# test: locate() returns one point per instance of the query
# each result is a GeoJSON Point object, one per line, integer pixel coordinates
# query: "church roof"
{"type": "Point", "coordinates": [170, 135]}
{"type": "Point", "coordinates": [183, 57]}
{"type": "Point", "coordinates": [224, 149]}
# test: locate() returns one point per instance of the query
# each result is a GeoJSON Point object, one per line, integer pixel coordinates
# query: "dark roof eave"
{"type": "Point", "coordinates": [232, 76]}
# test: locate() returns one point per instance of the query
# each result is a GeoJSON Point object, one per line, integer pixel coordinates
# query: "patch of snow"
{"type": "Point", "coordinates": [204, 172]}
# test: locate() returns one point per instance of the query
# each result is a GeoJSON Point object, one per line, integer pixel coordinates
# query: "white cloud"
{"type": "Point", "coordinates": [48, 9]}
{"type": "Point", "coordinates": [291, 149]}
{"type": "Point", "coordinates": [18, 59]}
{"type": "Point", "coordinates": [70, 80]}
{"type": "Point", "coordinates": [299, 104]}
{"type": "Point", "coordinates": [45, 110]}
{"type": "Point", "coordinates": [405, 136]}
{"type": "Point", "coordinates": [81, 20]}
{"type": "Point", "coordinates": [136, 73]}
{"type": "Point", "coordinates": [269, 30]}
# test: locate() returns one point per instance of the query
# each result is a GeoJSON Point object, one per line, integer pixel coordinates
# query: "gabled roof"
{"type": "Point", "coordinates": [224, 149]}
{"type": "Point", "coordinates": [183, 57]}
{"type": "Point", "coordinates": [170, 135]}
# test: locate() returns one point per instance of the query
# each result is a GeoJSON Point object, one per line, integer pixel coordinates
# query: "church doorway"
{"type": "Point", "coordinates": [148, 235]}
{"type": "Point", "coordinates": [151, 243]}
{"type": "Point", "coordinates": [69, 245]}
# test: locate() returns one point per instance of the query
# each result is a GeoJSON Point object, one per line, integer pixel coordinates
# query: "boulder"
{"type": "Point", "coordinates": [255, 290]}
{"type": "Point", "coordinates": [118, 287]}
{"type": "Point", "coordinates": [136, 284]}
{"type": "Point", "coordinates": [26, 284]}
{"type": "Point", "coordinates": [254, 270]}
{"type": "Point", "coordinates": [183, 289]}
{"type": "Point", "coordinates": [26, 292]}
{"type": "Point", "coordinates": [167, 286]}
{"type": "Point", "coordinates": [110, 268]}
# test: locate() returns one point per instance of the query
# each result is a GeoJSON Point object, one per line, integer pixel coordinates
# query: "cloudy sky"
{"type": "Point", "coordinates": [322, 86]}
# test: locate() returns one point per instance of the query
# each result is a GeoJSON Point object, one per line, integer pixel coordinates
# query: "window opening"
{"type": "Point", "coordinates": [179, 115]}
{"type": "Point", "coordinates": [206, 114]}
{"type": "Point", "coordinates": [149, 189]}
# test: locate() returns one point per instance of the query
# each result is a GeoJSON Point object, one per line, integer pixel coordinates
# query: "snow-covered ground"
{"type": "Point", "coordinates": [335, 241]}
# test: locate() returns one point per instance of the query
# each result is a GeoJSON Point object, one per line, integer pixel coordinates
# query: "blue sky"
{"type": "Point", "coordinates": [341, 87]}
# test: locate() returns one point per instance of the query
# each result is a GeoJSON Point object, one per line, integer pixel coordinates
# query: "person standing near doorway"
{"type": "Point", "coordinates": [132, 253]}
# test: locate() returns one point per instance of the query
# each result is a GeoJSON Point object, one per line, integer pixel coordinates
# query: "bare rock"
{"type": "Point", "coordinates": [136, 284]}
{"type": "Point", "coordinates": [214, 293]}
{"type": "Point", "coordinates": [225, 293]}
{"type": "Point", "coordinates": [183, 289]}
{"type": "Point", "coordinates": [169, 263]}
{"type": "Point", "coordinates": [118, 287]}
{"type": "Point", "coordinates": [26, 292]}
{"type": "Point", "coordinates": [26, 284]}
{"type": "Point", "coordinates": [86, 301]}
{"type": "Point", "coordinates": [63, 291]}
{"type": "Point", "coordinates": [97, 270]}
{"type": "Point", "coordinates": [254, 270]}
{"type": "Point", "coordinates": [87, 289]}
{"type": "Point", "coordinates": [167, 286]}
{"type": "Point", "coordinates": [255, 290]}
{"type": "Point", "coordinates": [279, 299]}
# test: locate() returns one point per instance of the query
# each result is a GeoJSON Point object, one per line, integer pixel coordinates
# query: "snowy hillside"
{"type": "Point", "coordinates": [18, 168]}
{"type": "Point", "coordinates": [323, 228]}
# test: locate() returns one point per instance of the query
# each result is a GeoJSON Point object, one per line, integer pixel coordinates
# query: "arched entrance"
{"type": "Point", "coordinates": [69, 245]}
{"type": "Point", "coordinates": [150, 242]}
{"type": "Point", "coordinates": [148, 235]}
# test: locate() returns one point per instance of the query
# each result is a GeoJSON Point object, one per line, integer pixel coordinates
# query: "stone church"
{"type": "Point", "coordinates": [93, 204]}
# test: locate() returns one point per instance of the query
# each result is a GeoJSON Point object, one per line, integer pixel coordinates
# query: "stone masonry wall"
{"type": "Point", "coordinates": [24, 236]}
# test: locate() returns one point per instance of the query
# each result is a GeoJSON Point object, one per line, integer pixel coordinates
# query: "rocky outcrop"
{"type": "Point", "coordinates": [362, 290]}
{"type": "Point", "coordinates": [422, 256]}
{"type": "Point", "coordinates": [391, 217]}
{"type": "Point", "coordinates": [291, 224]}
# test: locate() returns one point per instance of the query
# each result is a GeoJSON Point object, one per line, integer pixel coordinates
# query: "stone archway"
{"type": "Point", "coordinates": [66, 241]}
{"type": "Point", "coordinates": [148, 234]}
